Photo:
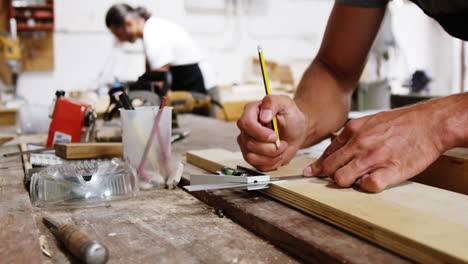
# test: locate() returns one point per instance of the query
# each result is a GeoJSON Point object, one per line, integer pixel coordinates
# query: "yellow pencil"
{"type": "Point", "coordinates": [274, 124]}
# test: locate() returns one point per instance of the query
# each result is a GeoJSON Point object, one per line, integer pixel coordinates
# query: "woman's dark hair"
{"type": "Point", "coordinates": [117, 13]}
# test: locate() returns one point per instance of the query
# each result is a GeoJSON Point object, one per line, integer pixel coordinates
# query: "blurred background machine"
{"type": "Point", "coordinates": [10, 53]}
{"type": "Point", "coordinates": [148, 91]}
{"type": "Point", "coordinates": [152, 86]}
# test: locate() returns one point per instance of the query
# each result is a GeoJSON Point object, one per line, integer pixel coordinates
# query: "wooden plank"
{"type": "Point", "coordinates": [378, 217]}
{"type": "Point", "coordinates": [7, 116]}
{"type": "Point", "coordinates": [88, 150]}
{"type": "Point", "coordinates": [304, 236]}
{"type": "Point", "coordinates": [215, 159]}
{"type": "Point", "coordinates": [20, 242]}
{"type": "Point", "coordinates": [423, 223]}
{"type": "Point", "coordinates": [233, 110]}
{"type": "Point", "coordinates": [449, 172]}
{"type": "Point", "coordinates": [6, 138]}
{"type": "Point", "coordinates": [308, 238]}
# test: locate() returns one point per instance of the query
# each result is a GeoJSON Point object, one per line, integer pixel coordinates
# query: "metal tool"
{"type": "Point", "coordinates": [80, 245]}
{"type": "Point", "coordinates": [179, 136]}
{"type": "Point", "coordinates": [228, 178]}
{"type": "Point", "coordinates": [11, 154]}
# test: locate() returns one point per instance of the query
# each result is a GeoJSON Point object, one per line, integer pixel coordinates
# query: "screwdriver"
{"type": "Point", "coordinates": [80, 245]}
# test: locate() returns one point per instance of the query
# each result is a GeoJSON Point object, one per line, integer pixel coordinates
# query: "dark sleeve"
{"type": "Point", "coordinates": [363, 3]}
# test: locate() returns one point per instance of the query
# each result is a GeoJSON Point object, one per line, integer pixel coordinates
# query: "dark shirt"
{"type": "Point", "coordinates": [452, 15]}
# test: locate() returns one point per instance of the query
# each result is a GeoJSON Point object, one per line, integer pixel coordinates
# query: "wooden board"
{"type": "Point", "coordinates": [308, 238]}
{"type": "Point", "coordinates": [233, 110]}
{"type": "Point", "coordinates": [214, 159]}
{"type": "Point", "coordinates": [301, 235]}
{"type": "Point", "coordinates": [420, 222]}
{"type": "Point", "coordinates": [449, 172]}
{"type": "Point", "coordinates": [88, 150]}
{"type": "Point", "coordinates": [423, 223]}
{"type": "Point", "coordinates": [7, 116]}
{"type": "Point", "coordinates": [6, 138]}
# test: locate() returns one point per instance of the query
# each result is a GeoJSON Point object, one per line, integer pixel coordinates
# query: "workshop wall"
{"type": "Point", "coordinates": [228, 31]}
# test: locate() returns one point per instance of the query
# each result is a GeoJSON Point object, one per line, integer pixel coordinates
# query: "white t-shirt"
{"type": "Point", "coordinates": [168, 43]}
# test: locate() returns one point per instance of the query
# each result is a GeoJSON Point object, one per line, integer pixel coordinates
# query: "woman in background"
{"type": "Point", "coordinates": [168, 47]}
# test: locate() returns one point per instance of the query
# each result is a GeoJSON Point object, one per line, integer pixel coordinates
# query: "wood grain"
{"type": "Point", "coordinates": [449, 172]}
{"type": "Point", "coordinates": [7, 116]}
{"type": "Point", "coordinates": [423, 223]}
{"type": "Point", "coordinates": [157, 226]}
{"type": "Point", "coordinates": [420, 222]}
{"type": "Point", "coordinates": [303, 236]}
{"type": "Point", "coordinates": [20, 241]}
{"type": "Point", "coordinates": [88, 150]}
{"type": "Point", "coordinates": [6, 138]}
{"type": "Point", "coordinates": [233, 109]}
{"type": "Point", "coordinates": [306, 237]}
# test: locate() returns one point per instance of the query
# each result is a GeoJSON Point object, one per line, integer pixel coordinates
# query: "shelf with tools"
{"type": "Point", "coordinates": [34, 22]}
{"type": "Point", "coordinates": [33, 15]}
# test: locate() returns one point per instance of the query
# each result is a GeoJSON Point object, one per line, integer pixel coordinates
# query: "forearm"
{"type": "Point", "coordinates": [450, 121]}
{"type": "Point", "coordinates": [326, 87]}
{"type": "Point", "coordinates": [324, 98]}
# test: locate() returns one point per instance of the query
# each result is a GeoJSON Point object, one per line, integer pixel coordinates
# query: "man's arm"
{"type": "Point", "coordinates": [451, 121]}
{"type": "Point", "coordinates": [324, 92]}
{"type": "Point", "coordinates": [322, 99]}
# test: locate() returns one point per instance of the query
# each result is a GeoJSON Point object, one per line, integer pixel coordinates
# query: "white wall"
{"type": "Point", "coordinates": [426, 46]}
{"type": "Point", "coordinates": [228, 33]}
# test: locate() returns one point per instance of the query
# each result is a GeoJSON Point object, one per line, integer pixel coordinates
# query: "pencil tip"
{"type": "Point", "coordinates": [277, 143]}
{"type": "Point", "coordinates": [259, 48]}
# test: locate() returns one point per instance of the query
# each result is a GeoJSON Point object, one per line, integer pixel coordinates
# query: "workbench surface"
{"type": "Point", "coordinates": [172, 226]}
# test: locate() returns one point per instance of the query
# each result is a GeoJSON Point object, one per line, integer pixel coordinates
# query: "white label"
{"type": "Point", "coordinates": [60, 137]}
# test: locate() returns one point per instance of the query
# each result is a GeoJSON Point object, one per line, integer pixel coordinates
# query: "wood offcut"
{"type": "Point", "coordinates": [88, 150]}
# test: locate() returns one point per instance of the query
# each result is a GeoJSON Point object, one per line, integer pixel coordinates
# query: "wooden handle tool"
{"type": "Point", "coordinates": [80, 245]}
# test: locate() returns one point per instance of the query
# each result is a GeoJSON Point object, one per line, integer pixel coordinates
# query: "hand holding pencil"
{"type": "Point", "coordinates": [274, 122]}
{"type": "Point", "coordinates": [256, 136]}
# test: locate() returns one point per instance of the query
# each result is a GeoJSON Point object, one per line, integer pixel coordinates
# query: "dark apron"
{"type": "Point", "coordinates": [187, 78]}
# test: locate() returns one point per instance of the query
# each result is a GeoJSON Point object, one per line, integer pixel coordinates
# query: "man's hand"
{"type": "Point", "coordinates": [257, 138]}
{"type": "Point", "coordinates": [383, 149]}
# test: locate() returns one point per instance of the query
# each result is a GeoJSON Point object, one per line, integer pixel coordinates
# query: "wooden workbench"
{"type": "Point", "coordinates": [171, 226]}
{"type": "Point", "coordinates": [159, 226]}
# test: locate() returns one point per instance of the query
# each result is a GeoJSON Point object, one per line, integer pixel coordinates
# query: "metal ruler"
{"type": "Point", "coordinates": [238, 178]}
